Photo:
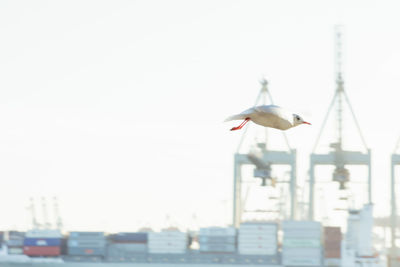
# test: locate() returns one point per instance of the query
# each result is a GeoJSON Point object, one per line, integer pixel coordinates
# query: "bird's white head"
{"type": "Point", "coordinates": [297, 120]}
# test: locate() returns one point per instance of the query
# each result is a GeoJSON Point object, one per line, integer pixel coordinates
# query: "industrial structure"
{"type": "Point", "coordinates": [338, 157]}
{"type": "Point", "coordinates": [290, 241]}
{"type": "Point", "coordinates": [263, 161]}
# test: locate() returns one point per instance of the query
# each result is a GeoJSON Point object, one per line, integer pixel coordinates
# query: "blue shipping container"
{"type": "Point", "coordinates": [45, 242]}
{"type": "Point", "coordinates": [129, 237]}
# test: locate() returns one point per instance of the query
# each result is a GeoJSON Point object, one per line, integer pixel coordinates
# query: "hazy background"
{"type": "Point", "coordinates": [116, 107]}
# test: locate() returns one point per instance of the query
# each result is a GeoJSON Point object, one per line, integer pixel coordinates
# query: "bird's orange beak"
{"type": "Point", "coordinates": [306, 123]}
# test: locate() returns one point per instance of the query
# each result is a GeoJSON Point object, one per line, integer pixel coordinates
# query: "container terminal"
{"type": "Point", "coordinates": [292, 231]}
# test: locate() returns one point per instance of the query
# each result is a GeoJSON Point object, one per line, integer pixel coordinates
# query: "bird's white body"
{"type": "Point", "coordinates": [269, 116]}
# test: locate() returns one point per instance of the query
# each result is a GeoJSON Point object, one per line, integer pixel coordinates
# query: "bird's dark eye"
{"type": "Point", "coordinates": [298, 118]}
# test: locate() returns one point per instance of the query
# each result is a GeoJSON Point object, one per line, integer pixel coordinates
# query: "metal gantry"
{"type": "Point", "coordinates": [263, 163]}
{"type": "Point", "coordinates": [339, 157]}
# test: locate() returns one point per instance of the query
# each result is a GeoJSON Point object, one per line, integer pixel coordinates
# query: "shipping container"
{"type": "Point", "coordinates": [301, 261]}
{"type": "Point", "coordinates": [217, 248]}
{"type": "Point", "coordinates": [258, 225]}
{"type": "Point", "coordinates": [174, 242]}
{"type": "Point", "coordinates": [332, 233]}
{"type": "Point", "coordinates": [167, 235]}
{"type": "Point", "coordinates": [332, 262]}
{"type": "Point", "coordinates": [258, 245]}
{"type": "Point", "coordinates": [166, 250]}
{"type": "Point", "coordinates": [15, 243]}
{"type": "Point", "coordinates": [265, 239]}
{"type": "Point", "coordinates": [217, 231]}
{"type": "Point", "coordinates": [16, 235]}
{"type": "Point", "coordinates": [44, 233]}
{"type": "Point", "coordinates": [42, 251]}
{"type": "Point", "coordinates": [45, 242]}
{"type": "Point", "coordinates": [15, 250]}
{"type": "Point", "coordinates": [332, 242]}
{"type": "Point", "coordinates": [127, 257]}
{"type": "Point", "coordinates": [301, 252]}
{"type": "Point", "coordinates": [263, 260]}
{"type": "Point", "coordinates": [87, 235]}
{"type": "Point", "coordinates": [301, 243]}
{"type": "Point", "coordinates": [255, 232]}
{"type": "Point", "coordinates": [217, 239]}
{"type": "Point", "coordinates": [129, 237]}
{"type": "Point", "coordinates": [86, 243]}
{"type": "Point", "coordinates": [126, 247]}
{"type": "Point", "coordinates": [263, 252]}
{"type": "Point", "coordinates": [82, 251]}
{"type": "Point", "coordinates": [258, 238]}
{"type": "Point", "coordinates": [332, 254]}
{"type": "Point", "coordinates": [168, 244]}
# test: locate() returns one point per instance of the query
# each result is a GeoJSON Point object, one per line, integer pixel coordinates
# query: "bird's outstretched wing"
{"type": "Point", "coordinates": [241, 116]}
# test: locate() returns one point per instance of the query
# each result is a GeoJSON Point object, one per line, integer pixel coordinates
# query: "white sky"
{"type": "Point", "coordinates": [116, 107]}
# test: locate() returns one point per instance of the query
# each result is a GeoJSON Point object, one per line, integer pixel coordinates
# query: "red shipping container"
{"type": "Point", "coordinates": [42, 251]}
{"type": "Point", "coordinates": [332, 254]}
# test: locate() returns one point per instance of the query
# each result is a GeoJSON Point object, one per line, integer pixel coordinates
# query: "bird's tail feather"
{"type": "Point", "coordinates": [236, 117]}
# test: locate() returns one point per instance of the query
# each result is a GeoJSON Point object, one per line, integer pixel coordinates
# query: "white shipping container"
{"type": "Point", "coordinates": [167, 241]}
{"type": "Point", "coordinates": [43, 234]}
{"type": "Point", "coordinates": [258, 245]}
{"type": "Point", "coordinates": [266, 252]}
{"type": "Point", "coordinates": [257, 232]}
{"type": "Point", "coordinates": [257, 251]}
{"type": "Point", "coordinates": [15, 251]}
{"type": "Point", "coordinates": [217, 231]}
{"type": "Point", "coordinates": [301, 261]}
{"type": "Point", "coordinates": [258, 226]}
{"type": "Point", "coordinates": [301, 252]}
{"type": "Point", "coordinates": [166, 235]}
{"type": "Point", "coordinates": [217, 239]}
{"type": "Point", "coordinates": [253, 238]}
{"type": "Point", "coordinates": [218, 248]}
{"type": "Point", "coordinates": [301, 243]}
{"type": "Point", "coordinates": [168, 245]}
{"type": "Point", "coordinates": [166, 251]}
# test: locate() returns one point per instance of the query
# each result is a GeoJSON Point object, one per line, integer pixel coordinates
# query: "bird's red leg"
{"type": "Point", "coordinates": [241, 125]}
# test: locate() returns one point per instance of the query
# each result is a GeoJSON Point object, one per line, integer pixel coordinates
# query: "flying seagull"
{"type": "Point", "coordinates": [269, 116]}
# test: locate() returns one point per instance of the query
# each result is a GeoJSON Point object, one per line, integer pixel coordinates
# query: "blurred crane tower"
{"type": "Point", "coordinates": [338, 157]}
{"type": "Point", "coordinates": [263, 161]}
{"type": "Point", "coordinates": [394, 229]}
{"type": "Point", "coordinates": [35, 224]}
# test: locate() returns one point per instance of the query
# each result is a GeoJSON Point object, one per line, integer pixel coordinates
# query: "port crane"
{"type": "Point", "coordinates": [263, 159]}
{"type": "Point", "coordinates": [338, 156]}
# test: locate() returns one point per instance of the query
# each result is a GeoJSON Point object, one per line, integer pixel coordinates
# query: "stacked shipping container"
{"type": "Point", "coordinates": [86, 244]}
{"type": "Point", "coordinates": [258, 238]}
{"type": "Point", "coordinates": [359, 231]}
{"type": "Point", "coordinates": [301, 243]}
{"type": "Point", "coordinates": [15, 242]}
{"type": "Point", "coordinates": [332, 242]}
{"type": "Point", "coordinates": [127, 245]}
{"type": "Point", "coordinates": [174, 242]}
{"type": "Point", "coordinates": [42, 243]}
{"type": "Point", "coordinates": [217, 240]}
